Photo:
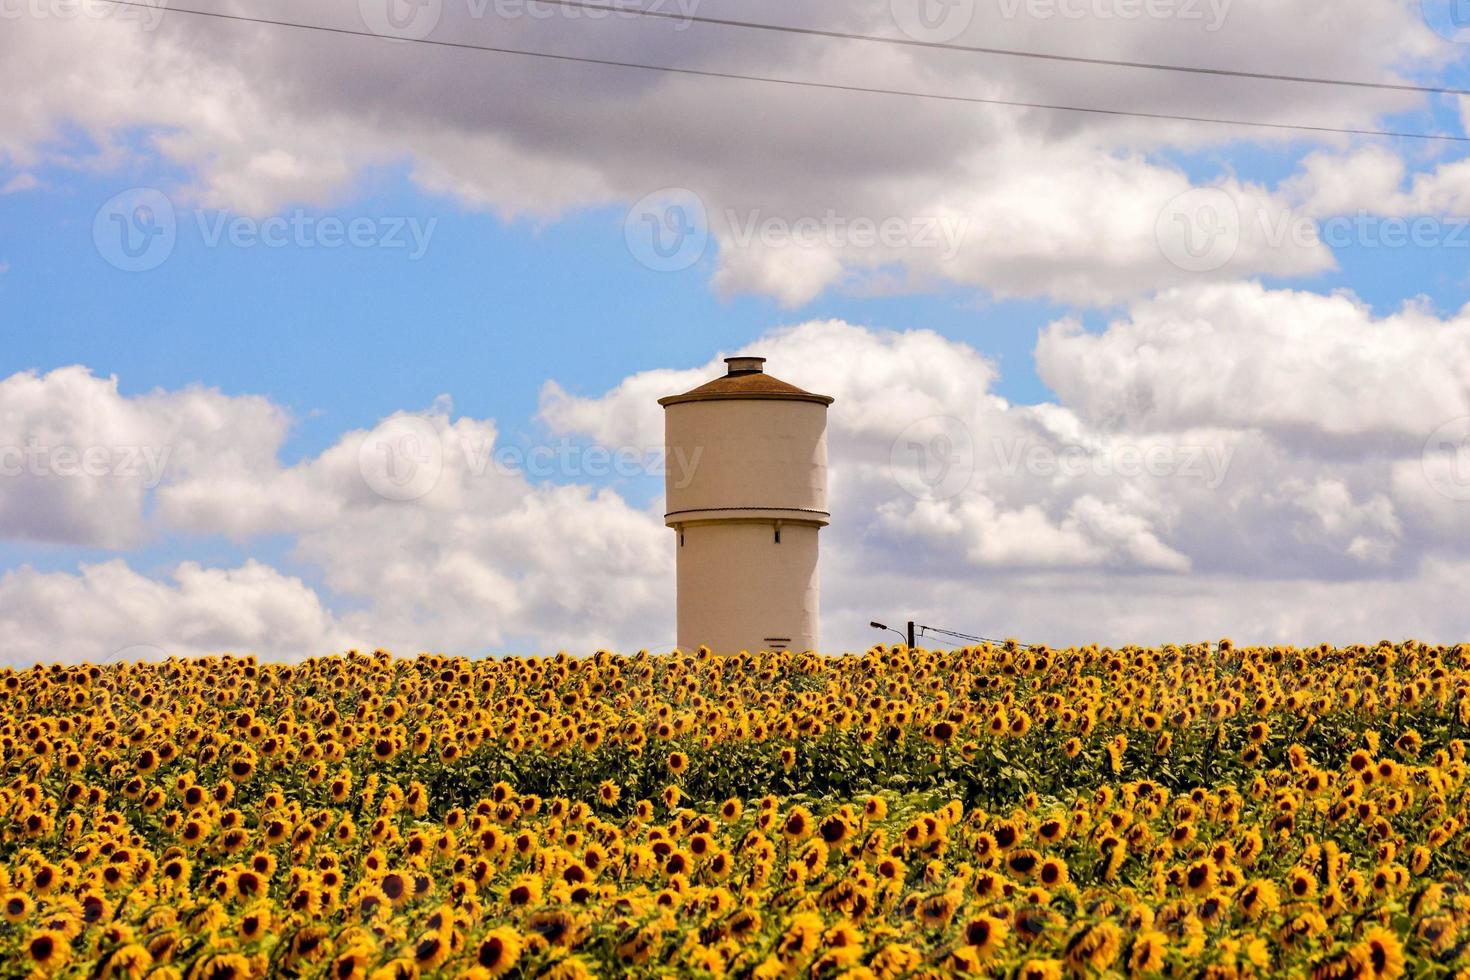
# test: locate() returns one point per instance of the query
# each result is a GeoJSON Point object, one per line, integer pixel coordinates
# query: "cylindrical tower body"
{"type": "Point", "coordinates": [747, 493]}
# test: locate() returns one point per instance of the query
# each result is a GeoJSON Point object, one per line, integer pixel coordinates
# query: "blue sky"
{"type": "Point", "coordinates": [492, 309]}
{"type": "Point", "coordinates": [346, 336]}
{"type": "Point", "coordinates": [343, 337]}
{"type": "Point", "coordinates": [565, 300]}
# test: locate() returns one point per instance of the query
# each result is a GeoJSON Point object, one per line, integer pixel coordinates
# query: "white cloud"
{"type": "Point", "coordinates": [1319, 373]}
{"type": "Point", "coordinates": [20, 182]}
{"type": "Point", "coordinates": [1216, 434]}
{"type": "Point", "coordinates": [1378, 181]}
{"type": "Point", "coordinates": [77, 458]}
{"type": "Point", "coordinates": [1367, 531]}
{"type": "Point", "coordinates": [1052, 204]}
{"type": "Point", "coordinates": [483, 558]}
{"type": "Point", "coordinates": [109, 610]}
{"type": "Point", "coordinates": [1098, 607]}
{"type": "Point", "coordinates": [1220, 460]}
{"type": "Point", "coordinates": [1091, 534]}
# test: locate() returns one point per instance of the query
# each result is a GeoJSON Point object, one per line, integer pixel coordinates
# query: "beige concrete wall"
{"type": "Point", "coordinates": [742, 453]}
{"type": "Point", "coordinates": [738, 588]}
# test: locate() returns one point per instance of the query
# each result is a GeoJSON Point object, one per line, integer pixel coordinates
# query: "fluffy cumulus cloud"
{"type": "Point", "coordinates": [802, 190]}
{"type": "Point", "coordinates": [1317, 372]}
{"type": "Point", "coordinates": [109, 611]}
{"type": "Point", "coordinates": [78, 459]}
{"type": "Point", "coordinates": [421, 534]}
{"type": "Point", "coordinates": [1221, 458]}
{"type": "Point", "coordinates": [1376, 181]}
{"type": "Point", "coordinates": [1293, 488]}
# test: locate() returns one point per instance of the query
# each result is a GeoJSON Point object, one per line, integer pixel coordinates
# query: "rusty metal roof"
{"type": "Point", "coordinates": [755, 385]}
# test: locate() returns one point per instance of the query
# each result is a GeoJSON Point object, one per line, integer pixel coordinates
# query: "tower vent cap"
{"type": "Point", "coordinates": [745, 365]}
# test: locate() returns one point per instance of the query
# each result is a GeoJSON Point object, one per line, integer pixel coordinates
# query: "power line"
{"type": "Point", "coordinates": [972, 637]}
{"type": "Point", "coordinates": [800, 83]}
{"type": "Point", "coordinates": [949, 643]}
{"type": "Point", "coordinates": [1004, 52]}
{"type": "Point", "coordinates": [963, 636]}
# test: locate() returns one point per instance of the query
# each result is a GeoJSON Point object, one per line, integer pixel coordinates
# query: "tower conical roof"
{"type": "Point", "coordinates": [746, 379]}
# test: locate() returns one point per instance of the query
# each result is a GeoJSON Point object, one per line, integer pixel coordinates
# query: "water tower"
{"type": "Point", "coordinates": [747, 496]}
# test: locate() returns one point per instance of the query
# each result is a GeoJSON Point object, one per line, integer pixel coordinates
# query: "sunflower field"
{"type": "Point", "coordinates": [1190, 811]}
